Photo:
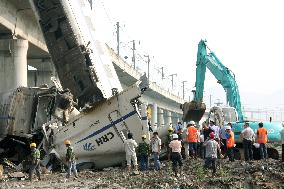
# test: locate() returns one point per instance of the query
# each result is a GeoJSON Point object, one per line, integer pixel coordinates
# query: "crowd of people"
{"type": "Point", "coordinates": [210, 143]}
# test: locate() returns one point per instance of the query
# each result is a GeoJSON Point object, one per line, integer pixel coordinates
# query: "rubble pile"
{"type": "Point", "coordinates": [239, 174]}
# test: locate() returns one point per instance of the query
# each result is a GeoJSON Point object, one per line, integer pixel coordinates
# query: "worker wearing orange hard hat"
{"type": "Point", "coordinates": [35, 161]}
{"type": "Point", "coordinates": [70, 159]}
{"type": "Point", "coordinates": [143, 151]}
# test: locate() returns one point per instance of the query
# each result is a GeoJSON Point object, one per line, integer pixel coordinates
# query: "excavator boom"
{"type": "Point", "coordinates": [195, 109]}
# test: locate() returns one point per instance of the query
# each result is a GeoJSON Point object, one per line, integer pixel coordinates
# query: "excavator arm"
{"type": "Point", "coordinates": [226, 78]}
{"type": "Point", "coordinates": [195, 109]}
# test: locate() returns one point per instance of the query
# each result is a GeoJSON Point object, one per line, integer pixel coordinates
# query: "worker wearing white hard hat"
{"type": "Point", "coordinates": [175, 136]}
{"type": "Point", "coordinates": [175, 145]}
{"type": "Point", "coordinates": [191, 123]}
{"type": "Point", "coordinates": [230, 143]}
{"type": "Point", "coordinates": [192, 138]}
{"type": "Point", "coordinates": [228, 127]}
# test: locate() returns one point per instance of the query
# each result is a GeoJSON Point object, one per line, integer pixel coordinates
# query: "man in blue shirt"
{"type": "Point", "coordinates": [178, 127]}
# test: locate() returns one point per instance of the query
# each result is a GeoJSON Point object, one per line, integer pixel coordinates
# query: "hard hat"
{"type": "Point", "coordinates": [144, 136]}
{"type": "Point", "coordinates": [256, 145]}
{"type": "Point", "coordinates": [170, 129]}
{"type": "Point", "coordinates": [175, 136]}
{"type": "Point", "coordinates": [191, 123]}
{"type": "Point", "coordinates": [33, 145]}
{"type": "Point", "coordinates": [212, 135]}
{"type": "Point", "coordinates": [67, 142]}
{"type": "Point", "coordinates": [227, 127]}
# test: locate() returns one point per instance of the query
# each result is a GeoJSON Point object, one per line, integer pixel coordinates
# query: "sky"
{"type": "Point", "coordinates": [246, 35]}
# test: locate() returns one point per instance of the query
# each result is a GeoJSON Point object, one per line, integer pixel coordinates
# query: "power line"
{"type": "Point", "coordinates": [125, 48]}
{"type": "Point", "coordinates": [109, 18]}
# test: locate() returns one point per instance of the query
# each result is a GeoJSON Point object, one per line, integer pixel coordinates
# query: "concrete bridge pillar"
{"type": "Point", "coordinates": [174, 118]}
{"type": "Point", "coordinates": [13, 63]}
{"type": "Point", "coordinates": [144, 118]}
{"type": "Point", "coordinates": [161, 120]}
{"type": "Point", "coordinates": [154, 118]}
{"type": "Point", "coordinates": [169, 118]}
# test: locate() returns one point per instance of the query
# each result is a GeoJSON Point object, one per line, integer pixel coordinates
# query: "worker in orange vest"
{"type": "Point", "coordinates": [230, 142]}
{"type": "Point", "coordinates": [192, 136]}
{"type": "Point", "coordinates": [262, 140]}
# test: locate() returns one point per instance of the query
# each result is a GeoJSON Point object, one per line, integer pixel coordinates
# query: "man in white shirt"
{"type": "Point", "coordinates": [185, 142]}
{"type": "Point", "coordinates": [215, 128]}
{"type": "Point", "coordinates": [248, 137]}
{"type": "Point", "coordinates": [156, 149]}
{"type": "Point", "coordinates": [175, 145]}
{"type": "Point", "coordinates": [129, 146]}
{"type": "Point", "coordinates": [282, 139]}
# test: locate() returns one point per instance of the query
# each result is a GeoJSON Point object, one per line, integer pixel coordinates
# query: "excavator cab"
{"type": "Point", "coordinates": [222, 115]}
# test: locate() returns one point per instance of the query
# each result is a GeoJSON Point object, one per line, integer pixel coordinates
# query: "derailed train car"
{"type": "Point", "coordinates": [99, 115]}
{"type": "Point", "coordinates": [47, 116]}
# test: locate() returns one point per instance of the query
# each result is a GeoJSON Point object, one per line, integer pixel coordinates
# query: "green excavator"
{"type": "Point", "coordinates": [195, 109]}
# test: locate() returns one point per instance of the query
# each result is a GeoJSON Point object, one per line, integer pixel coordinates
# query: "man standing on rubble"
{"type": "Point", "coordinates": [168, 141]}
{"type": "Point", "coordinates": [129, 146]}
{"type": "Point", "coordinates": [35, 161]}
{"type": "Point", "coordinates": [185, 142]}
{"type": "Point", "coordinates": [223, 137]}
{"type": "Point", "coordinates": [175, 145]}
{"type": "Point", "coordinates": [156, 150]}
{"type": "Point", "coordinates": [212, 148]}
{"type": "Point", "coordinates": [215, 128]}
{"type": "Point", "coordinates": [178, 127]}
{"type": "Point", "coordinates": [230, 142]}
{"type": "Point", "coordinates": [192, 137]}
{"type": "Point", "coordinates": [206, 130]}
{"type": "Point", "coordinates": [247, 135]}
{"type": "Point", "coordinates": [143, 153]}
{"type": "Point", "coordinates": [70, 159]}
{"type": "Point", "coordinates": [262, 140]}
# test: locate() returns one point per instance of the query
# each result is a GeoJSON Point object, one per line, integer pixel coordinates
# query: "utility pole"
{"type": "Point", "coordinates": [183, 89]}
{"type": "Point", "coordinates": [163, 75]}
{"type": "Point", "coordinates": [133, 53]}
{"type": "Point", "coordinates": [210, 100]}
{"type": "Point", "coordinates": [148, 62]}
{"type": "Point", "coordinates": [172, 75]}
{"type": "Point", "coordinates": [117, 36]}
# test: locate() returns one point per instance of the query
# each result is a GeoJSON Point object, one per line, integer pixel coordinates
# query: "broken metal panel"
{"type": "Point", "coordinates": [18, 110]}
{"type": "Point", "coordinates": [80, 60]}
{"type": "Point", "coordinates": [98, 133]}
{"type": "Point", "coordinates": [15, 111]}
{"type": "Point", "coordinates": [42, 115]}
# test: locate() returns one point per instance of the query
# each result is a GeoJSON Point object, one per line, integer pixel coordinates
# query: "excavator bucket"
{"type": "Point", "coordinates": [193, 111]}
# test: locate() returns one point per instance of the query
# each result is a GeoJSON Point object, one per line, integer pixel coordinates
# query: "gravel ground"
{"type": "Point", "coordinates": [256, 174]}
